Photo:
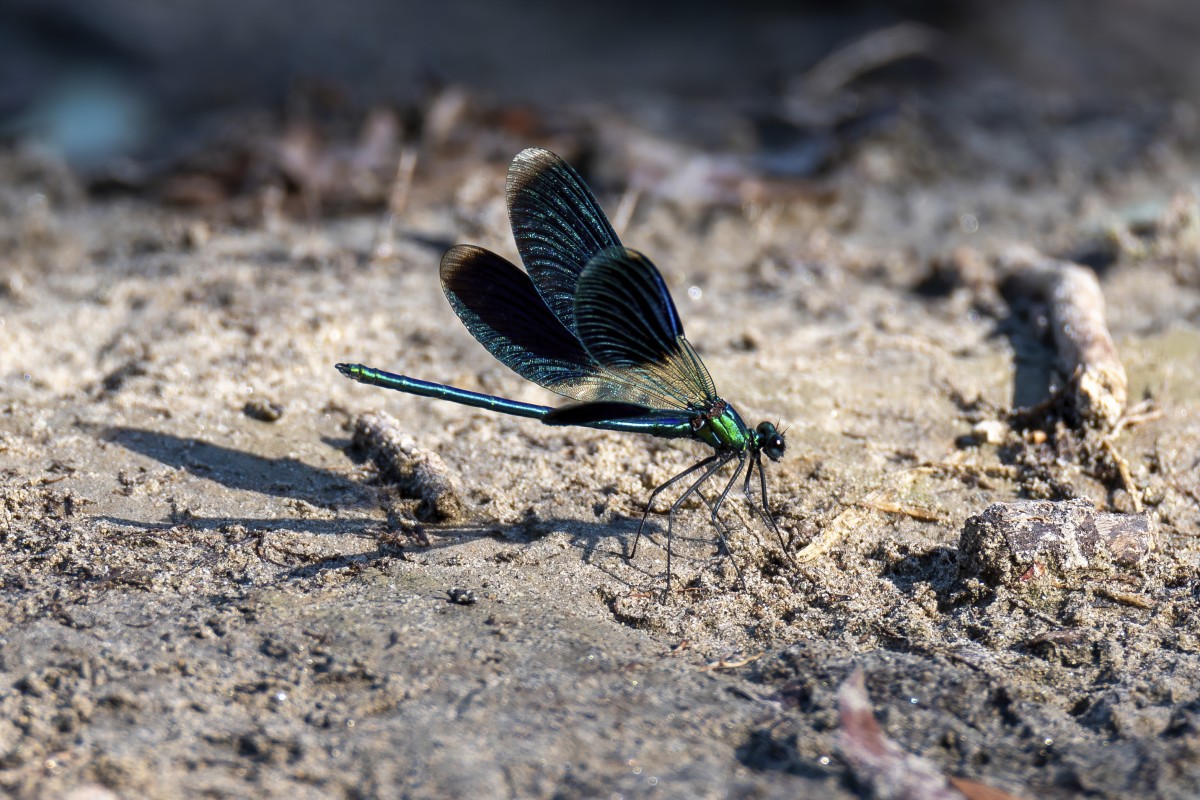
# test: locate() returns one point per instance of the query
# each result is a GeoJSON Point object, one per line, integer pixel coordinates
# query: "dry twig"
{"type": "Point", "coordinates": [1085, 347]}
{"type": "Point", "coordinates": [889, 507]}
{"type": "Point", "coordinates": [866, 54]}
{"type": "Point", "coordinates": [723, 664]}
{"type": "Point", "coordinates": [416, 469]}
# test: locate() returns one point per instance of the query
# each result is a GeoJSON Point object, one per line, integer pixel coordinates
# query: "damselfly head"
{"type": "Point", "coordinates": [770, 440]}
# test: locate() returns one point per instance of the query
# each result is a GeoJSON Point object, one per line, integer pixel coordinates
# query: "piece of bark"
{"type": "Point", "coordinates": [1012, 542]}
{"type": "Point", "coordinates": [1085, 347]}
{"type": "Point", "coordinates": [879, 763]}
{"type": "Point", "coordinates": [884, 767]}
{"type": "Point", "coordinates": [415, 469]}
{"type": "Point", "coordinates": [973, 790]}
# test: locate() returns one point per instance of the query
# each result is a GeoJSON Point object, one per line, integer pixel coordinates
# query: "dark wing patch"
{"type": "Point", "coordinates": [628, 323]}
{"type": "Point", "coordinates": [498, 304]}
{"type": "Point", "coordinates": [557, 224]}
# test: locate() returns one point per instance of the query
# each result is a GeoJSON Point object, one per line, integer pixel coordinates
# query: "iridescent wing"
{"type": "Point", "coordinates": [558, 227]}
{"type": "Point", "coordinates": [498, 304]}
{"type": "Point", "coordinates": [628, 324]}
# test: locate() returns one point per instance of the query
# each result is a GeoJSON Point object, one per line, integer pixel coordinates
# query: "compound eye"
{"type": "Point", "coordinates": [774, 447]}
{"type": "Point", "coordinates": [770, 440]}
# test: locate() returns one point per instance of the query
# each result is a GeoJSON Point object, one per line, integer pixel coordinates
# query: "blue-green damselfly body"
{"type": "Point", "coordinates": [593, 321]}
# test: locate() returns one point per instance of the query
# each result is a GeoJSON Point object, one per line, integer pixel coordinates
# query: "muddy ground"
{"type": "Point", "coordinates": [202, 600]}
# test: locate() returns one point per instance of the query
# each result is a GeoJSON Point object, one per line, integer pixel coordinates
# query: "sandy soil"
{"type": "Point", "coordinates": [199, 602]}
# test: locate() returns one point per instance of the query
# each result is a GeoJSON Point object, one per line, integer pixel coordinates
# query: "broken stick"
{"type": "Point", "coordinates": [1085, 347]}
{"type": "Point", "coordinates": [413, 468]}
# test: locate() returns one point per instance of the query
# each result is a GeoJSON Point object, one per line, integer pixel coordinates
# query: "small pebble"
{"type": "Point", "coordinates": [263, 410]}
{"type": "Point", "coordinates": [992, 431]}
{"type": "Point", "coordinates": [463, 597]}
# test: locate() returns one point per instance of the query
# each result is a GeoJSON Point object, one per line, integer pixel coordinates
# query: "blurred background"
{"type": "Point", "coordinates": [121, 87]}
